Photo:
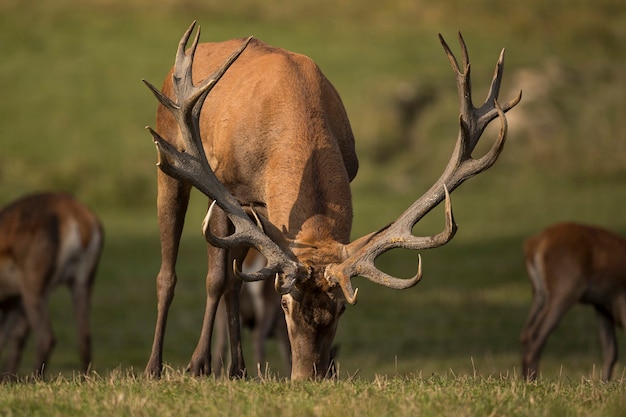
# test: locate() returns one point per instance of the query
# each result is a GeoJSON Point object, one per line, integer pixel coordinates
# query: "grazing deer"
{"type": "Point", "coordinates": [264, 134]}
{"type": "Point", "coordinates": [571, 263]}
{"type": "Point", "coordinates": [260, 311]}
{"type": "Point", "coordinates": [46, 240]}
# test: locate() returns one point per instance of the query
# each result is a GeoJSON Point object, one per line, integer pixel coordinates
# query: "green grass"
{"type": "Point", "coordinates": [72, 117]}
{"type": "Point", "coordinates": [123, 395]}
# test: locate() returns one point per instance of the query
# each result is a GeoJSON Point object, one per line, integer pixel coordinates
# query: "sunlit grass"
{"type": "Point", "coordinates": [121, 394]}
{"type": "Point", "coordinates": [73, 114]}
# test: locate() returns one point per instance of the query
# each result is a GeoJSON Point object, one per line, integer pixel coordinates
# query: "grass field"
{"type": "Point", "coordinates": [439, 395]}
{"type": "Point", "coordinates": [72, 117]}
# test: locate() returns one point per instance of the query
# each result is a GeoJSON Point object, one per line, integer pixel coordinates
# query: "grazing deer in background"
{"type": "Point", "coordinates": [264, 134]}
{"type": "Point", "coordinates": [46, 240]}
{"type": "Point", "coordinates": [571, 263]}
{"type": "Point", "coordinates": [260, 311]}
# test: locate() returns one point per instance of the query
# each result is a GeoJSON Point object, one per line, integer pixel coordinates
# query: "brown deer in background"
{"type": "Point", "coordinates": [570, 263]}
{"type": "Point", "coordinates": [264, 134]}
{"type": "Point", "coordinates": [260, 311]}
{"type": "Point", "coordinates": [46, 240]}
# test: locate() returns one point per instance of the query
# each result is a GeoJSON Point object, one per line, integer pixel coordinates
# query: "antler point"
{"type": "Point", "coordinates": [354, 299]}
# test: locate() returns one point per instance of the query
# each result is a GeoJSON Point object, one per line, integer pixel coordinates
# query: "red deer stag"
{"type": "Point", "coordinates": [46, 240]}
{"type": "Point", "coordinates": [571, 263]}
{"type": "Point", "coordinates": [270, 138]}
{"type": "Point", "coordinates": [259, 307]}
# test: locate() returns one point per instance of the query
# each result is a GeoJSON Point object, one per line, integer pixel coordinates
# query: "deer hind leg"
{"type": "Point", "coordinates": [263, 322]}
{"type": "Point", "coordinates": [219, 282]}
{"type": "Point", "coordinates": [39, 321]}
{"type": "Point", "coordinates": [536, 337]}
{"type": "Point", "coordinates": [549, 306]}
{"type": "Point", "coordinates": [271, 323]}
{"type": "Point", "coordinates": [282, 335]}
{"type": "Point", "coordinates": [172, 201]}
{"type": "Point", "coordinates": [608, 337]}
{"type": "Point", "coordinates": [608, 341]}
{"type": "Point", "coordinates": [274, 323]}
{"type": "Point", "coordinates": [237, 368]}
{"type": "Point", "coordinates": [539, 296]}
{"type": "Point", "coordinates": [81, 298]}
{"type": "Point", "coordinates": [279, 329]}
{"type": "Point", "coordinates": [219, 343]}
{"type": "Point", "coordinates": [547, 320]}
{"type": "Point", "coordinates": [81, 288]}
{"type": "Point", "coordinates": [15, 331]}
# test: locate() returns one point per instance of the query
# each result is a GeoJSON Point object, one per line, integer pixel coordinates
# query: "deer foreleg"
{"type": "Point", "coordinates": [39, 321]}
{"type": "Point", "coordinates": [15, 330]}
{"type": "Point", "coordinates": [237, 368]}
{"type": "Point", "coordinates": [172, 201]}
{"type": "Point", "coordinates": [608, 341]}
{"type": "Point", "coordinates": [81, 296]}
{"type": "Point", "coordinates": [547, 320]}
{"type": "Point", "coordinates": [218, 345]}
{"type": "Point", "coordinates": [216, 282]}
{"type": "Point", "coordinates": [200, 363]}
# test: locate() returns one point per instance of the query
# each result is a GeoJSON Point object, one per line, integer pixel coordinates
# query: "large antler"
{"type": "Point", "coordinates": [461, 167]}
{"type": "Point", "coordinates": [192, 166]}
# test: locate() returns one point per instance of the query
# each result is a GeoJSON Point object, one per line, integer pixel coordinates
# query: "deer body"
{"type": "Point", "coordinates": [264, 134]}
{"type": "Point", "coordinates": [46, 240]}
{"type": "Point", "coordinates": [273, 123]}
{"type": "Point", "coordinates": [570, 263]}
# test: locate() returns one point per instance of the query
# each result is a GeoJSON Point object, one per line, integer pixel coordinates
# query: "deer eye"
{"type": "Point", "coordinates": [284, 304]}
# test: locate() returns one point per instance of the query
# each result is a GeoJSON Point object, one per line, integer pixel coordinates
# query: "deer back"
{"type": "Point", "coordinates": [276, 133]}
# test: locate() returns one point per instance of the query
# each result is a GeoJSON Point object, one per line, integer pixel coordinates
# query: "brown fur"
{"type": "Point", "coordinates": [571, 263]}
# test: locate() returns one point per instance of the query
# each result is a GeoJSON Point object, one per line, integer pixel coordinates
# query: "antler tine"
{"type": "Point", "coordinates": [183, 86]}
{"type": "Point", "coordinates": [396, 235]}
{"type": "Point", "coordinates": [494, 89]}
{"type": "Point", "coordinates": [496, 81]}
{"type": "Point", "coordinates": [182, 45]}
{"type": "Point", "coordinates": [472, 166]}
{"type": "Point", "coordinates": [449, 54]}
{"type": "Point", "coordinates": [464, 51]}
{"type": "Point", "coordinates": [462, 74]}
{"type": "Point", "coordinates": [191, 165]}
{"type": "Point", "coordinates": [182, 67]}
{"type": "Point", "coordinates": [462, 166]}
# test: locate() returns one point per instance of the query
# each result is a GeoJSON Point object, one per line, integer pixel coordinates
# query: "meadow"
{"type": "Point", "coordinates": [72, 117]}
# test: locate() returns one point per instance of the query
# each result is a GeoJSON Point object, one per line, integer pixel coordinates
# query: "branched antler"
{"type": "Point", "coordinates": [461, 167]}
{"type": "Point", "coordinates": [192, 166]}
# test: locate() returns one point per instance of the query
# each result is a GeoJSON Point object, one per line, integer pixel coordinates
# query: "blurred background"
{"type": "Point", "coordinates": [72, 117]}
